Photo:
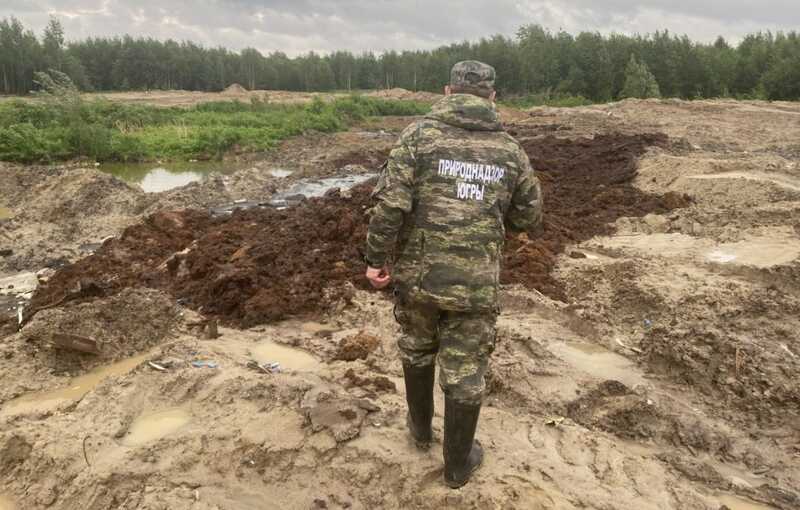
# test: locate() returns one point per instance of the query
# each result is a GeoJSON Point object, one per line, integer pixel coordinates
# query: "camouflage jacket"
{"type": "Point", "coordinates": [453, 184]}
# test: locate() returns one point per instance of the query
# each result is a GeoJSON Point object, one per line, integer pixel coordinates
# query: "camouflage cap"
{"type": "Point", "coordinates": [473, 77]}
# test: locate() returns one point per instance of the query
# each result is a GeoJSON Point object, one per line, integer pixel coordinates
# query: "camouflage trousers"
{"type": "Point", "coordinates": [462, 342]}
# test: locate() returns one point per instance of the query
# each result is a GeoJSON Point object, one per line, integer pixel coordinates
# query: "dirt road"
{"type": "Point", "coordinates": [647, 355]}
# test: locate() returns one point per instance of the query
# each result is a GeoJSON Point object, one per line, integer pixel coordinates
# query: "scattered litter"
{"type": "Point", "coordinates": [648, 323]}
{"type": "Point", "coordinates": [786, 348]}
{"type": "Point", "coordinates": [626, 346]}
{"type": "Point", "coordinates": [162, 365]}
{"type": "Point", "coordinates": [270, 367]}
{"type": "Point", "coordinates": [204, 364]}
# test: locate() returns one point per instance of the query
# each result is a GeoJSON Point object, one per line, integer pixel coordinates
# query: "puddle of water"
{"type": "Point", "coordinates": [5, 213]}
{"type": "Point", "coordinates": [758, 253]}
{"type": "Point", "coordinates": [280, 173]}
{"type": "Point", "coordinates": [6, 503]}
{"type": "Point", "coordinates": [784, 181]}
{"type": "Point", "coordinates": [737, 476]}
{"type": "Point", "coordinates": [77, 387]}
{"type": "Point", "coordinates": [737, 503]}
{"type": "Point", "coordinates": [598, 362]}
{"type": "Point", "coordinates": [721, 257]}
{"type": "Point", "coordinates": [314, 327]}
{"type": "Point", "coordinates": [295, 194]}
{"type": "Point", "coordinates": [20, 283]}
{"type": "Point", "coordinates": [288, 357]}
{"type": "Point", "coordinates": [154, 178]}
{"type": "Point", "coordinates": [153, 426]}
{"type": "Point", "coordinates": [318, 187]}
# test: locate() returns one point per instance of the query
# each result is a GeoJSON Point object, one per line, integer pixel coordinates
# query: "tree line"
{"type": "Point", "coordinates": [763, 65]}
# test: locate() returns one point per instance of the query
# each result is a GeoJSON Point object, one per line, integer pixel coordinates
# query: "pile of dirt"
{"type": "Point", "coordinates": [57, 210]}
{"type": "Point", "coordinates": [357, 347]}
{"type": "Point", "coordinates": [121, 325]}
{"type": "Point", "coordinates": [587, 186]}
{"type": "Point", "coordinates": [406, 95]}
{"type": "Point", "coordinates": [262, 265]}
{"type": "Point", "coordinates": [370, 157]}
{"type": "Point", "coordinates": [256, 266]}
{"type": "Point", "coordinates": [378, 383]}
{"type": "Point", "coordinates": [719, 357]}
{"type": "Point", "coordinates": [234, 90]}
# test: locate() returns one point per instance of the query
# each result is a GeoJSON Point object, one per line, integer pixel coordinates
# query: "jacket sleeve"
{"type": "Point", "coordinates": [395, 195]}
{"type": "Point", "coordinates": [525, 210]}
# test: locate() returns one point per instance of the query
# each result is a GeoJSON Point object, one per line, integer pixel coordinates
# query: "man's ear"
{"type": "Point", "coordinates": [447, 90]}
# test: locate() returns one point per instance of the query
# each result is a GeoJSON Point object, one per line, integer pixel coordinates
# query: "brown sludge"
{"type": "Point", "coordinates": [262, 265]}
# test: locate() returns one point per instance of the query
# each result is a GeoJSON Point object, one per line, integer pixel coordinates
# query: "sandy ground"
{"type": "Point", "coordinates": [667, 379]}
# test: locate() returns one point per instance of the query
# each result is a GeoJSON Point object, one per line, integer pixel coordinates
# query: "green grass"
{"type": "Point", "coordinates": [546, 99]}
{"type": "Point", "coordinates": [105, 131]}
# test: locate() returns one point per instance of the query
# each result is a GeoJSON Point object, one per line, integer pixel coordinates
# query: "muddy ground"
{"type": "Point", "coordinates": [646, 358]}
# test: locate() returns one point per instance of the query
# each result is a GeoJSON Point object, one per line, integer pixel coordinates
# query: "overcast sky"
{"type": "Point", "coordinates": [297, 26]}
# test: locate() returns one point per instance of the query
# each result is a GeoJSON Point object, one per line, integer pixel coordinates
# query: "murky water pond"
{"type": "Point", "coordinates": [598, 361]}
{"type": "Point", "coordinates": [155, 177]}
{"type": "Point", "coordinates": [300, 190]}
{"type": "Point", "coordinates": [317, 187]}
{"type": "Point", "coordinates": [75, 389]}
{"type": "Point", "coordinates": [737, 503]}
{"type": "Point", "coordinates": [152, 426]}
{"type": "Point", "coordinates": [288, 357]}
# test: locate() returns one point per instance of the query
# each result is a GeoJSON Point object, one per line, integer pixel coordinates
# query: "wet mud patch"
{"type": "Point", "coordinates": [261, 265]}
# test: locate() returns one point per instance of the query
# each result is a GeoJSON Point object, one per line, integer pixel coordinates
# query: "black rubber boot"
{"type": "Point", "coordinates": [419, 395]}
{"type": "Point", "coordinates": [462, 453]}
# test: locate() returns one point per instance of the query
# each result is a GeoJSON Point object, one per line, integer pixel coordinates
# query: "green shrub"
{"type": "Point", "coordinates": [27, 144]}
{"type": "Point", "coordinates": [61, 127]}
{"type": "Point", "coordinates": [127, 148]}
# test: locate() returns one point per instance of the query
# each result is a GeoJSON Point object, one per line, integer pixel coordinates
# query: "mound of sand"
{"type": "Point", "coordinates": [405, 95]}
{"type": "Point", "coordinates": [234, 90]}
{"type": "Point", "coordinates": [60, 210]}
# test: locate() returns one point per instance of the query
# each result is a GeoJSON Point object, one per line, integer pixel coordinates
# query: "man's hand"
{"type": "Point", "coordinates": [379, 278]}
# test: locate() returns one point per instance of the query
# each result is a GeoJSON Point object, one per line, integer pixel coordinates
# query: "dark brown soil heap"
{"type": "Point", "coordinates": [262, 265]}
{"type": "Point", "coordinates": [587, 186]}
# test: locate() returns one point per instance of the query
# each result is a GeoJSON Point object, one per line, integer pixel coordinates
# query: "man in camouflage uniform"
{"type": "Point", "coordinates": [453, 184]}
